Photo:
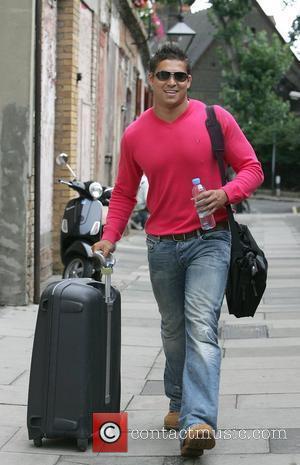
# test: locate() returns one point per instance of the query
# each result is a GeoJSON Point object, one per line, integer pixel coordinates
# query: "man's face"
{"type": "Point", "coordinates": [171, 92]}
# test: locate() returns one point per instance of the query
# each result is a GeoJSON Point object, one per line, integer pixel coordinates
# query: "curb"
{"type": "Point", "coordinates": [275, 198]}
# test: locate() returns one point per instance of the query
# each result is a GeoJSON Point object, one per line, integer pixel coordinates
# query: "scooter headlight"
{"type": "Point", "coordinates": [64, 226]}
{"type": "Point", "coordinates": [95, 190]}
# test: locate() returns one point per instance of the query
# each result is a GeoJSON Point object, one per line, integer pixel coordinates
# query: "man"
{"type": "Point", "coordinates": [188, 266]}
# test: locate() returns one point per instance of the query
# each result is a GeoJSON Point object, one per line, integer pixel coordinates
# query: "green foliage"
{"type": "Point", "coordinates": [288, 141]}
{"type": "Point", "coordinates": [251, 93]}
{"type": "Point", "coordinates": [253, 65]}
{"type": "Point", "coordinates": [227, 15]}
{"type": "Point", "coordinates": [231, 10]}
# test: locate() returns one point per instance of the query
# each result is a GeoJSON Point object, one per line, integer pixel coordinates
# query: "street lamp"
{"type": "Point", "coordinates": [181, 30]}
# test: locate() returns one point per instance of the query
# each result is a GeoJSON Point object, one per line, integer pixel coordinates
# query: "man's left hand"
{"type": "Point", "coordinates": [211, 200]}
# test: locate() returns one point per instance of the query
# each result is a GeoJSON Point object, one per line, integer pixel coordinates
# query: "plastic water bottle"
{"type": "Point", "coordinates": [207, 221]}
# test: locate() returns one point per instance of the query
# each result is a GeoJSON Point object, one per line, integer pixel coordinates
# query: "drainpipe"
{"type": "Point", "coordinates": [37, 148]}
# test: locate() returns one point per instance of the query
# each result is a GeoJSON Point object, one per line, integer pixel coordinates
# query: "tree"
{"type": "Point", "coordinates": [253, 66]}
{"type": "Point", "coordinates": [227, 17]}
{"type": "Point", "coordinates": [251, 93]}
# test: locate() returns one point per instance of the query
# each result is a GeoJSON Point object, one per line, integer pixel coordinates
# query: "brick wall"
{"type": "Point", "coordinates": [48, 93]}
{"type": "Point", "coordinates": [101, 89]}
{"type": "Point", "coordinates": [66, 109]}
{"type": "Point", "coordinates": [106, 118]}
{"type": "Point", "coordinates": [95, 70]}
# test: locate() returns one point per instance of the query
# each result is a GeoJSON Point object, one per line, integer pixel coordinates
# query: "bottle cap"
{"type": "Point", "coordinates": [196, 181]}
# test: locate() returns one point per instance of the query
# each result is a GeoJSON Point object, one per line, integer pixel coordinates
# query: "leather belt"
{"type": "Point", "coordinates": [222, 225]}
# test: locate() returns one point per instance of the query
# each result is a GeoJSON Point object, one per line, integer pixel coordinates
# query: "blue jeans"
{"type": "Point", "coordinates": [189, 280]}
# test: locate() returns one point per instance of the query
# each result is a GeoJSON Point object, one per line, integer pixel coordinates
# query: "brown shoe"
{"type": "Point", "coordinates": [171, 420]}
{"type": "Point", "coordinates": [198, 437]}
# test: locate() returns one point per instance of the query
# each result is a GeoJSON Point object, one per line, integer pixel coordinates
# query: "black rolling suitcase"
{"type": "Point", "coordinates": [75, 366]}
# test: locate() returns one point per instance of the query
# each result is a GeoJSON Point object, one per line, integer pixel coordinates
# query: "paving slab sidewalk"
{"type": "Point", "coordinates": [259, 410]}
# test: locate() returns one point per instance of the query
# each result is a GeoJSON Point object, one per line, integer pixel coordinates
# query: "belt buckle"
{"type": "Point", "coordinates": [178, 240]}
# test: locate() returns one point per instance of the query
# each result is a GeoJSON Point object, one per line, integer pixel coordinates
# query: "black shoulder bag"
{"type": "Point", "coordinates": [247, 276]}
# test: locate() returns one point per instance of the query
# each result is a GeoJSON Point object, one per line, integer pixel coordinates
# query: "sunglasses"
{"type": "Point", "coordinates": [179, 76]}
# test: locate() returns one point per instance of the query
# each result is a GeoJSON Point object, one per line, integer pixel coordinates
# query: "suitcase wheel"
{"type": "Point", "coordinates": [38, 442]}
{"type": "Point", "coordinates": [82, 444]}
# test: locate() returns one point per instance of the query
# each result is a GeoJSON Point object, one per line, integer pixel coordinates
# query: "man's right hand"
{"type": "Point", "coordinates": [106, 247]}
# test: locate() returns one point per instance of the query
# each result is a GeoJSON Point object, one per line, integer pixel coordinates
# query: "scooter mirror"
{"type": "Point", "coordinates": [62, 159]}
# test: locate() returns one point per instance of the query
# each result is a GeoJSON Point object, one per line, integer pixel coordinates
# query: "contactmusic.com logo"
{"type": "Point", "coordinates": [110, 432]}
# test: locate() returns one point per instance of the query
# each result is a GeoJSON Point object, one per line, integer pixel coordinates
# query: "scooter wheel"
{"type": "Point", "coordinates": [78, 267]}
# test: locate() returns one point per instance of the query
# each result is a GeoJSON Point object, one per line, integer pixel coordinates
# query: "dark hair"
{"type": "Point", "coordinates": [168, 52]}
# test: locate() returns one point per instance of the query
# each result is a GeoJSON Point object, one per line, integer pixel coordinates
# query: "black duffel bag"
{"type": "Point", "coordinates": [247, 276]}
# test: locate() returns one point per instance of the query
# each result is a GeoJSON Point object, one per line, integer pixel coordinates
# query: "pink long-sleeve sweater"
{"type": "Point", "coordinates": [171, 155]}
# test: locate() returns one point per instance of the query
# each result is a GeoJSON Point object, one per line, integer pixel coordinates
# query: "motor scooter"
{"type": "Point", "coordinates": [82, 225]}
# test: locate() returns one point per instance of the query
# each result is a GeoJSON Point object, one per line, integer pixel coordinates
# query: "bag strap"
{"type": "Point", "coordinates": [216, 138]}
{"type": "Point", "coordinates": [217, 142]}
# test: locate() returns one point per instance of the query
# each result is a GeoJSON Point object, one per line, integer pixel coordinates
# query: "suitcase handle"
{"type": "Point", "coordinates": [106, 264]}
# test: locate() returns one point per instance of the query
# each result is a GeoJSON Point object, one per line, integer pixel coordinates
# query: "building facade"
{"type": "Point", "coordinates": [73, 77]}
{"type": "Point", "coordinates": [16, 149]}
